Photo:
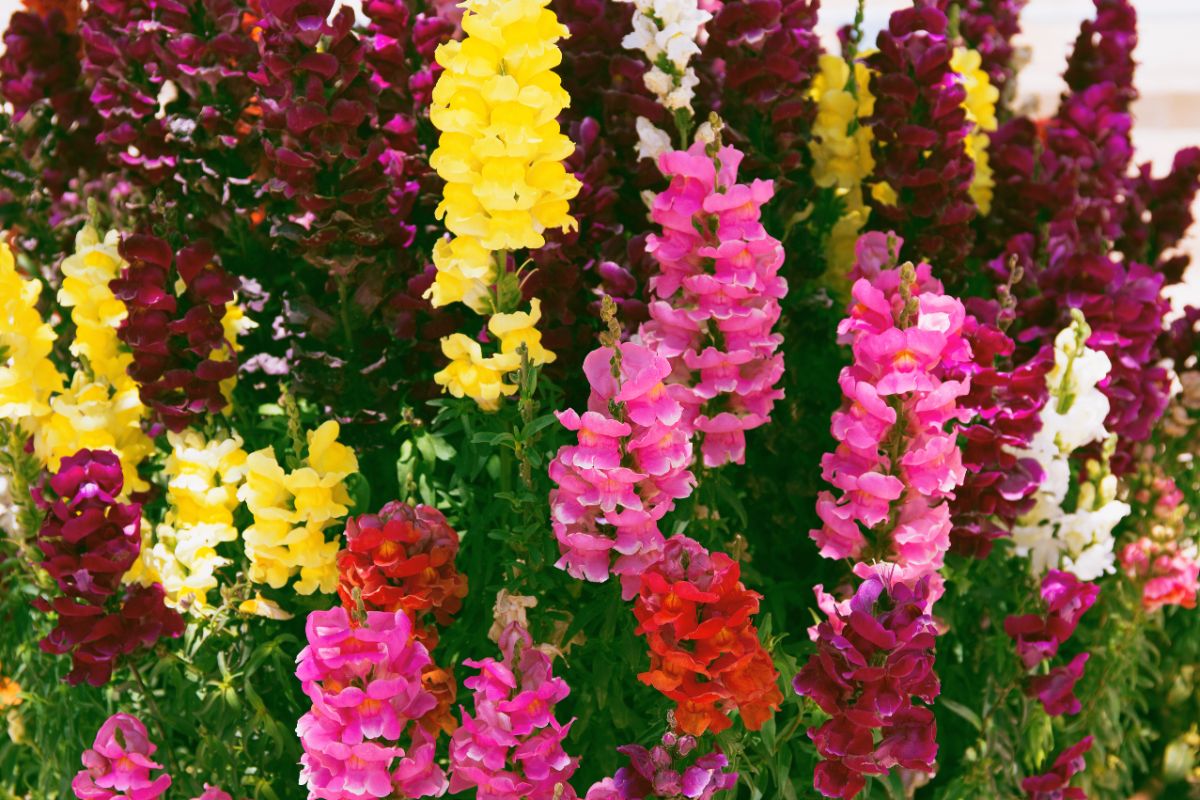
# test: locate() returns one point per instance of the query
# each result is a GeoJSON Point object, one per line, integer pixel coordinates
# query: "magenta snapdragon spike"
{"type": "Point", "coordinates": [364, 680]}
{"type": "Point", "coordinates": [716, 299]}
{"type": "Point", "coordinates": [1103, 51]}
{"type": "Point", "coordinates": [989, 27]}
{"type": "Point", "coordinates": [673, 768]}
{"type": "Point", "coordinates": [630, 465]}
{"type": "Point", "coordinates": [1038, 638]}
{"type": "Point", "coordinates": [920, 127]}
{"type": "Point", "coordinates": [90, 540]}
{"type": "Point", "coordinates": [1159, 214]}
{"type": "Point", "coordinates": [118, 765]}
{"type": "Point", "coordinates": [1056, 784]}
{"type": "Point", "coordinates": [180, 352]}
{"type": "Point", "coordinates": [895, 459]}
{"type": "Point", "coordinates": [511, 749]}
{"type": "Point", "coordinates": [875, 654]}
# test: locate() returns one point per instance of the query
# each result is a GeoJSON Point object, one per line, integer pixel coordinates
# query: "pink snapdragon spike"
{"type": "Point", "coordinates": [118, 765]}
{"type": "Point", "coordinates": [897, 457]}
{"type": "Point", "coordinates": [511, 749]}
{"type": "Point", "coordinates": [363, 677]}
{"type": "Point", "coordinates": [629, 466]}
{"type": "Point", "coordinates": [716, 298]}
{"type": "Point", "coordinates": [213, 793]}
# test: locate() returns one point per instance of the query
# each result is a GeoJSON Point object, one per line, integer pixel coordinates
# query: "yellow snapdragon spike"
{"type": "Point", "coordinates": [235, 324]}
{"type": "Point", "coordinates": [980, 105]}
{"type": "Point", "coordinates": [95, 310]}
{"type": "Point", "coordinates": [471, 375]}
{"type": "Point", "coordinates": [203, 478]}
{"type": "Point", "coordinates": [292, 509]}
{"type": "Point", "coordinates": [520, 328]}
{"type": "Point", "coordinates": [501, 150]}
{"type": "Point", "coordinates": [27, 375]}
{"type": "Point", "coordinates": [842, 160]}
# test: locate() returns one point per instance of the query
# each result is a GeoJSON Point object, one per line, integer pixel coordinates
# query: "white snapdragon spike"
{"type": "Point", "coordinates": [653, 141]}
{"type": "Point", "coordinates": [669, 33]}
{"type": "Point", "coordinates": [1080, 541]}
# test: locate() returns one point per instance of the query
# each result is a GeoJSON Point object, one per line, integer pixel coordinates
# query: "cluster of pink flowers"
{"type": "Point", "coordinates": [118, 765]}
{"type": "Point", "coordinates": [895, 462]}
{"type": "Point", "coordinates": [1170, 572]}
{"type": "Point", "coordinates": [627, 470]}
{"type": "Point", "coordinates": [670, 769]}
{"type": "Point", "coordinates": [511, 749]}
{"type": "Point", "coordinates": [364, 680]}
{"type": "Point", "coordinates": [875, 653]}
{"type": "Point", "coordinates": [90, 540]}
{"type": "Point", "coordinates": [1039, 638]}
{"type": "Point", "coordinates": [716, 298]}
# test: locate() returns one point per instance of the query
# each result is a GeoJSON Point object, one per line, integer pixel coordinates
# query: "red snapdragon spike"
{"type": "Point", "coordinates": [705, 654]}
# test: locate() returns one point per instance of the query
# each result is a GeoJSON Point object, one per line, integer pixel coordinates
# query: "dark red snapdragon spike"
{"type": "Point", "coordinates": [89, 540]}
{"type": "Point", "coordinates": [180, 353]}
{"type": "Point", "coordinates": [920, 127]}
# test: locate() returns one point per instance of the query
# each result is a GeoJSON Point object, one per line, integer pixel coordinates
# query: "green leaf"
{"type": "Point", "coordinates": [962, 711]}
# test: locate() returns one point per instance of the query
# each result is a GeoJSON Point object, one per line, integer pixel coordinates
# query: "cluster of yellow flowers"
{"type": "Point", "coordinates": [980, 106]}
{"type": "Point", "coordinates": [292, 509]}
{"type": "Point", "coordinates": [100, 408]}
{"type": "Point", "coordinates": [841, 151]}
{"type": "Point", "coordinates": [27, 375]}
{"type": "Point", "coordinates": [203, 477]}
{"type": "Point", "coordinates": [501, 155]}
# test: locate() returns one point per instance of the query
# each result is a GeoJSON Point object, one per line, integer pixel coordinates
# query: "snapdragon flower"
{"type": "Point", "coordinates": [118, 764]}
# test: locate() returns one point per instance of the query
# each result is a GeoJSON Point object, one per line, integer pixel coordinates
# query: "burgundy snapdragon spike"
{"type": "Point", "coordinates": [90, 540]}
{"type": "Point", "coordinates": [180, 351]}
{"type": "Point", "coordinates": [920, 127]}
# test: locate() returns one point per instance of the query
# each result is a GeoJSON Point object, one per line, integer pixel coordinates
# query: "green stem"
{"type": "Point", "coordinates": [158, 718]}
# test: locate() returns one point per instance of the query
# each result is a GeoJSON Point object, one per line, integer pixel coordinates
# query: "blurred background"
{"type": "Point", "coordinates": [1167, 116]}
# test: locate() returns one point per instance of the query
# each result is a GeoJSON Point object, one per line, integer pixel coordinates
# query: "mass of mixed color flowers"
{"type": "Point", "coordinates": [555, 399]}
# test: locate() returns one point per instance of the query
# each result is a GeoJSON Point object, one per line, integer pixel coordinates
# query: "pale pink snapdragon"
{"type": "Point", "coordinates": [1169, 571]}
{"type": "Point", "coordinates": [363, 677]}
{"type": "Point", "coordinates": [716, 299]}
{"type": "Point", "coordinates": [897, 459]}
{"type": "Point", "coordinates": [118, 765]}
{"type": "Point", "coordinates": [511, 748]}
{"type": "Point", "coordinates": [629, 466]}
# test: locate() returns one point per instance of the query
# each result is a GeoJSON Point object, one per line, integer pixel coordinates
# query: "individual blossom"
{"type": "Point", "coordinates": [673, 768]}
{"type": "Point", "coordinates": [630, 464]}
{"type": "Point", "coordinates": [920, 127]}
{"type": "Point", "coordinates": [175, 305]}
{"type": "Point", "coordinates": [363, 676]}
{"type": "Point", "coordinates": [1056, 784]}
{"type": "Point", "coordinates": [89, 541]}
{"type": "Point", "coordinates": [874, 659]}
{"type": "Point", "coordinates": [500, 151]}
{"type": "Point", "coordinates": [668, 33]}
{"type": "Point", "coordinates": [1081, 541]}
{"type": "Point", "coordinates": [980, 105]}
{"type": "Point", "coordinates": [213, 793]}
{"type": "Point", "coordinates": [118, 764]}
{"type": "Point", "coordinates": [1056, 689]}
{"type": "Point", "coordinates": [841, 150]}
{"type": "Point", "coordinates": [511, 748]}
{"type": "Point", "coordinates": [1038, 637]}
{"type": "Point", "coordinates": [292, 509]}
{"type": "Point", "coordinates": [705, 654]}
{"type": "Point", "coordinates": [203, 477]}
{"type": "Point", "coordinates": [716, 299]}
{"type": "Point", "coordinates": [403, 559]}
{"type": "Point", "coordinates": [27, 375]}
